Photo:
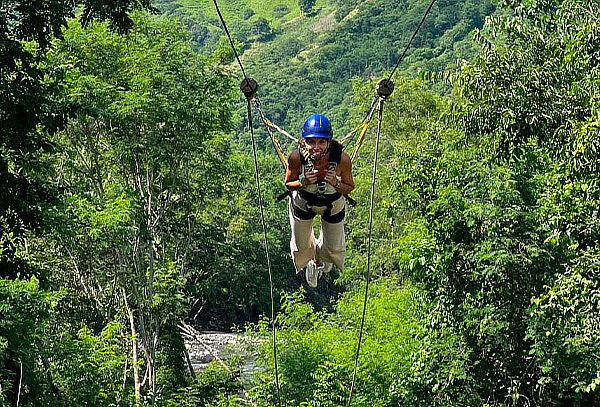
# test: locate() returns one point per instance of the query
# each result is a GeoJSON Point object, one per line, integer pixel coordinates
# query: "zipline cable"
{"type": "Point", "coordinates": [368, 275]}
{"type": "Point", "coordinates": [411, 39]}
{"type": "Point", "coordinates": [230, 39]}
{"type": "Point", "coordinates": [266, 243]}
{"type": "Point", "coordinates": [384, 89]}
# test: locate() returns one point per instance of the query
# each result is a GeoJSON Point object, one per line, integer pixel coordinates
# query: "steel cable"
{"type": "Point", "coordinates": [260, 204]}
{"type": "Point", "coordinates": [230, 39]}
{"type": "Point", "coordinates": [266, 244]}
{"type": "Point", "coordinates": [411, 39]}
{"type": "Point", "coordinates": [368, 275]}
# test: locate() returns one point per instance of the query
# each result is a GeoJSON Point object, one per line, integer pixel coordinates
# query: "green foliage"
{"type": "Point", "coordinates": [28, 204]}
{"type": "Point", "coordinates": [316, 351]}
{"type": "Point", "coordinates": [223, 52]}
{"type": "Point", "coordinates": [261, 28]}
{"type": "Point", "coordinates": [248, 13]}
{"type": "Point", "coordinates": [216, 386]}
{"type": "Point", "coordinates": [281, 11]}
{"type": "Point", "coordinates": [25, 309]}
{"type": "Point", "coordinates": [307, 65]}
{"type": "Point", "coordinates": [136, 165]}
{"type": "Point", "coordinates": [504, 232]}
{"type": "Point", "coordinates": [28, 114]}
{"type": "Point", "coordinates": [206, 28]}
{"type": "Point", "coordinates": [96, 360]}
{"type": "Point", "coordinates": [564, 329]}
{"type": "Point", "coordinates": [495, 222]}
{"type": "Point", "coordinates": [236, 287]}
{"type": "Point", "coordinates": [306, 6]}
{"type": "Point", "coordinates": [525, 99]}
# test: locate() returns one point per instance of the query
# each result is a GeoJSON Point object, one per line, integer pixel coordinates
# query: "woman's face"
{"type": "Point", "coordinates": [316, 146]}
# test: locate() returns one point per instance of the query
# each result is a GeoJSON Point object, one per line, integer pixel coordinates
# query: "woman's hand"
{"type": "Point", "coordinates": [311, 177]}
{"type": "Point", "coordinates": [332, 178]}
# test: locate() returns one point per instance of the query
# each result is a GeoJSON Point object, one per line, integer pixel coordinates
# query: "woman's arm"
{"type": "Point", "coordinates": [344, 183]}
{"type": "Point", "coordinates": [294, 167]}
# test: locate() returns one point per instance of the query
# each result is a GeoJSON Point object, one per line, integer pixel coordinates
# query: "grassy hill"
{"type": "Point", "coordinates": [236, 11]}
{"type": "Point", "coordinates": [202, 18]}
{"type": "Point", "coordinates": [306, 64]}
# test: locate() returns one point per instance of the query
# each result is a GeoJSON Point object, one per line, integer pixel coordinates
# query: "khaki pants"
{"type": "Point", "coordinates": [330, 247]}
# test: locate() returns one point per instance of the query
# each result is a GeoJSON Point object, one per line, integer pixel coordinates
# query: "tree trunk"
{"type": "Point", "coordinates": [137, 384]}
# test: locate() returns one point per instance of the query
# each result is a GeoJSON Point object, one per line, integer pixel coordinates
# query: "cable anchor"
{"type": "Point", "coordinates": [384, 88]}
{"type": "Point", "coordinates": [249, 86]}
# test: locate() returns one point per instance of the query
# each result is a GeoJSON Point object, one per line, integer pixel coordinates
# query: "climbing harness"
{"type": "Point", "coordinates": [384, 89]}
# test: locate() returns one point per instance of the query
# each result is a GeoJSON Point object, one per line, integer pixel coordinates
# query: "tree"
{"type": "Point", "coordinates": [306, 6]}
{"type": "Point", "coordinates": [142, 155]}
{"type": "Point", "coordinates": [509, 224]}
{"type": "Point", "coordinates": [261, 28]}
{"type": "Point", "coordinates": [28, 115]}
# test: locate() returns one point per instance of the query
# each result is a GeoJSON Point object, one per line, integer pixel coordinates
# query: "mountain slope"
{"type": "Point", "coordinates": [305, 64]}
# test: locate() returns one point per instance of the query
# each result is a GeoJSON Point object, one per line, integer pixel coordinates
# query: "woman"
{"type": "Point", "coordinates": [319, 174]}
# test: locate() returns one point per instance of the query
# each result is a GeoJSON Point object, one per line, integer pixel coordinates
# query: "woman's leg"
{"type": "Point", "coordinates": [302, 243]}
{"type": "Point", "coordinates": [331, 245]}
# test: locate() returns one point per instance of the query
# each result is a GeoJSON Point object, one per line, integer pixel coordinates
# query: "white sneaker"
{"type": "Point", "coordinates": [326, 267]}
{"type": "Point", "coordinates": [312, 274]}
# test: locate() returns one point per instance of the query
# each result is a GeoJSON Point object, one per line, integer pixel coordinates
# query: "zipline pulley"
{"type": "Point", "coordinates": [384, 88]}
{"type": "Point", "coordinates": [249, 86]}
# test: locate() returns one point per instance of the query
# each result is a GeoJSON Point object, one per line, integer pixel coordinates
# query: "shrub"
{"type": "Point", "coordinates": [280, 11]}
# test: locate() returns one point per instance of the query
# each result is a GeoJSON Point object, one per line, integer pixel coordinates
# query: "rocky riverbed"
{"type": "Point", "coordinates": [205, 347]}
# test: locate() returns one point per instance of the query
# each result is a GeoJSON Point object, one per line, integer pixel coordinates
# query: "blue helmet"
{"type": "Point", "coordinates": [317, 125]}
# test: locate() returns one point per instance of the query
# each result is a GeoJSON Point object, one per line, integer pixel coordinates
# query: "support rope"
{"type": "Point", "coordinates": [365, 122]}
{"type": "Point", "coordinates": [368, 275]}
{"type": "Point", "coordinates": [249, 96]}
{"type": "Point", "coordinates": [270, 124]}
{"type": "Point", "coordinates": [274, 141]}
{"type": "Point", "coordinates": [364, 128]}
{"type": "Point", "coordinates": [266, 244]}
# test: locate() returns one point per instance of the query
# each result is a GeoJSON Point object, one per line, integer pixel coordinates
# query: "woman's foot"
{"type": "Point", "coordinates": [313, 272]}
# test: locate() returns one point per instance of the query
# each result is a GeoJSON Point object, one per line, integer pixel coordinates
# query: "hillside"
{"type": "Point", "coordinates": [306, 64]}
{"type": "Point", "coordinates": [244, 17]}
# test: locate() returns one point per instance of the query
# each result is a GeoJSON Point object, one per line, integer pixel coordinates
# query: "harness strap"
{"type": "Point", "coordinates": [319, 200]}
{"type": "Point", "coordinates": [282, 196]}
{"type": "Point", "coordinates": [337, 218]}
{"type": "Point", "coordinates": [302, 214]}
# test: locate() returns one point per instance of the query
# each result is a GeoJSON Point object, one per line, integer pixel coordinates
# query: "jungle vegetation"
{"type": "Point", "coordinates": [128, 204]}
